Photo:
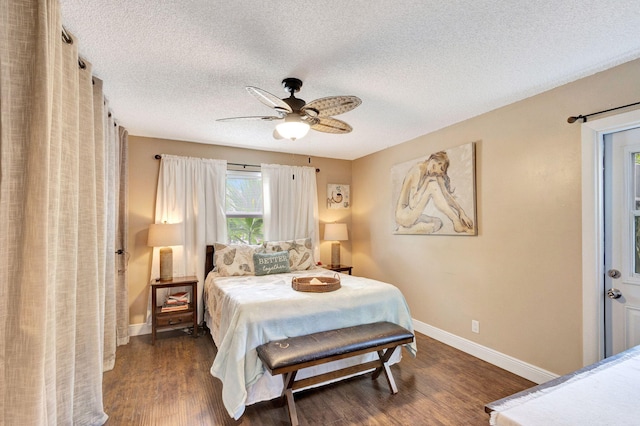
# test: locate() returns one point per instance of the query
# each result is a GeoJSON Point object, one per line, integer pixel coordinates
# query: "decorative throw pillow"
{"type": "Point", "coordinates": [234, 259]}
{"type": "Point", "coordinates": [271, 263]}
{"type": "Point", "coordinates": [300, 252]}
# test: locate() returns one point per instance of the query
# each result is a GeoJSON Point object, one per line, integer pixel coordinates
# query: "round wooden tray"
{"type": "Point", "coordinates": [304, 284]}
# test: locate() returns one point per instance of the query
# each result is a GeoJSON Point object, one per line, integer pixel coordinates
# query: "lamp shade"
{"type": "Point", "coordinates": [165, 234]}
{"type": "Point", "coordinates": [292, 127]}
{"type": "Point", "coordinates": [336, 232]}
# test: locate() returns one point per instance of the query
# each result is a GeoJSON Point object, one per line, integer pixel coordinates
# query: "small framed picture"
{"type": "Point", "coordinates": [338, 196]}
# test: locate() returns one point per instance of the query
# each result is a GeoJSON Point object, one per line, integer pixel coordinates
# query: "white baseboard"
{"type": "Point", "coordinates": [139, 329]}
{"type": "Point", "coordinates": [513, 365]}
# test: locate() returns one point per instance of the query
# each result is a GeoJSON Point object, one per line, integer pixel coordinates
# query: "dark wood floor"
{"type": "Point", "coordinates": [170, 384]}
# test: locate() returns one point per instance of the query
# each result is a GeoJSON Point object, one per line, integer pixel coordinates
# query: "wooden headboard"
{"type": "Point", "coordinates": [208, 261]}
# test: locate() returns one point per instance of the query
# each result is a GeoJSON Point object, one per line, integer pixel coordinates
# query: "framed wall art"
{"type": "Point", "coordinates": [436, 194]}
{"type": "Point", "coordinates": [338, 196]}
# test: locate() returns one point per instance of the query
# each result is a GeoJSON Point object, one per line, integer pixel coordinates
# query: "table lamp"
{"type": "Point", "coordinates": [335, 232]}
{"type": "Point", "coordinates": [165, 235]}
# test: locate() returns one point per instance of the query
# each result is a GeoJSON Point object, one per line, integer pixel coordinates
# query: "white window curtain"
{"type": "Point", "coordinates": [57, 263]}
{"type": "Point", "coordinates": [191, 191]}
{"type": "Point", "coordinates": [290, 204]}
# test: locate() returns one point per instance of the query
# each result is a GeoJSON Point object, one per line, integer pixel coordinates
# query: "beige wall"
{"type": "Point", "coordinates": [521, 276]}
{"type": "Point", "coordinates": [143, 178]}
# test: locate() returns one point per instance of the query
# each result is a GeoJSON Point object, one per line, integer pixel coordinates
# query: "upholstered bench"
{"type": "Point", "coordinates": [288, 356]}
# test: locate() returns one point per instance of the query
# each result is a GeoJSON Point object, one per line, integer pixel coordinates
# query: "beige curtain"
{"type": "Point", "coordinates": [121, 236]}
{"type": "Point", "coordinates": [113, 166]}
{"type": "Point", "coordinates": [57, 250]}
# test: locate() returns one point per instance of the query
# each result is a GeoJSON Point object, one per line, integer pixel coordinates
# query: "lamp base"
{"type": "Point", "coordinates": [335, 254]}
{"type": "Point", "coordinates": [166, 264]}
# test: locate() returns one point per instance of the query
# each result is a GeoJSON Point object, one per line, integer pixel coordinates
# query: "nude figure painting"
{"type": "Point", "coordinates": [435, 194]}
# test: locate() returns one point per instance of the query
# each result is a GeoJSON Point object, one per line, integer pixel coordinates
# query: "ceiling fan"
{"type": "Point", "coordinates": [297, 116]}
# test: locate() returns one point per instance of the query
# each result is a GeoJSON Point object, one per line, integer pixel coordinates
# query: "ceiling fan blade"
{"type": "Point", "coordinates": [257, 117]}
{"type": "Point", "coordinates": [331, 125]}
{"type": "Point", "coordinates": [333, 105]}
{"type": "Point", "coordinates": [270, 100]}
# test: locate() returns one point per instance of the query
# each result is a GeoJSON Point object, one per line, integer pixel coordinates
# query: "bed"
{"type": "Point", "coordinates": [604, 393]}
{"type": "Point", "coordinates": [244, 310]}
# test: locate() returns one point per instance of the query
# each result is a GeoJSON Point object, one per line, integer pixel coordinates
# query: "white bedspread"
{"type": "Point", "coordinates": [245, 312]}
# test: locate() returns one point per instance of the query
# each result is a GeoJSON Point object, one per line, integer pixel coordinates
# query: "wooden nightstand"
{"type": "Point", "coordinates": [164, 320]}
{"type": "Point", "coordinates": [339, 268]}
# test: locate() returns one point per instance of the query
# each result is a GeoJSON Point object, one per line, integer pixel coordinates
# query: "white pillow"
{"type": "Point", "coordinates": [300, 252]}
{"type": "Point", "coordinates": [234, 259]}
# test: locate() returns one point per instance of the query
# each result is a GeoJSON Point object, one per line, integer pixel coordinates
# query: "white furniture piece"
{"type": "Point", "coordinates": [604, 393]}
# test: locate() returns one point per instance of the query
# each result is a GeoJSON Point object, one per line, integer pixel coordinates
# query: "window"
{"type": "Point", "coordinates": [244, 207]}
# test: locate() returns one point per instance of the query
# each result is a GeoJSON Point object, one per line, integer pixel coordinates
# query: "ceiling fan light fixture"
{"type": "Point", "coordinates": [293, 127]}
{"type": "Point", "coordinates": [296, 116]}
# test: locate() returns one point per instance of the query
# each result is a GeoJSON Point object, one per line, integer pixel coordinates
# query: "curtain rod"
{"type": "Point", "coordinates": [243, 165]}
{"type": "Point", "coordinates": [158, 157]}
{"type": "Point", "coordinates": [573, 119]}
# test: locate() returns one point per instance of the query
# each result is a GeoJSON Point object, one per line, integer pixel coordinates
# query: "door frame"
{"type": "Point", "coordinates": [592, 229]}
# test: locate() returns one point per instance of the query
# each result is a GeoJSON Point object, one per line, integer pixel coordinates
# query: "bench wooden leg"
{"type": "Point", "coordinates": [384, 367]}
{"type": "Point", "coordinates": [287, 392]}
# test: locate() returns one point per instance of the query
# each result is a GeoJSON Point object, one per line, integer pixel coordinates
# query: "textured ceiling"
{"type": "Point", "coordinates": [171, 68]}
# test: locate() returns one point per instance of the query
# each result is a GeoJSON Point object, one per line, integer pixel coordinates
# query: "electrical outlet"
{"type": "Point", "coordinates": [475, 326]}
